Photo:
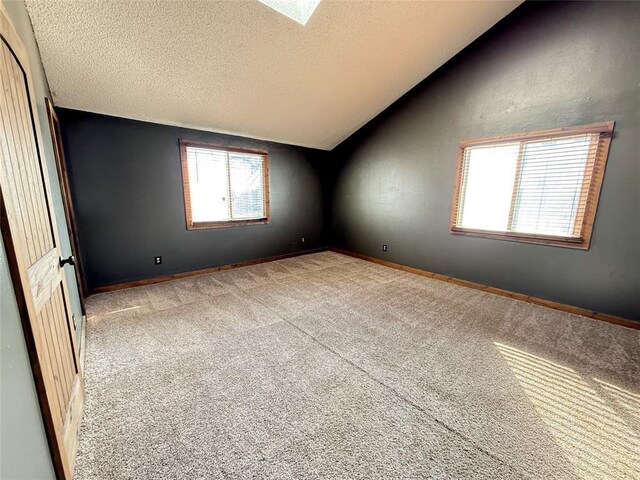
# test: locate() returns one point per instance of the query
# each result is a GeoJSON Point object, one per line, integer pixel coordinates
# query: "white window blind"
{"type": "Point", "coordinates": [536, 185]}
{"type": "Point", "coordinates": [225, 186]}
{"type": "Point", "coordinates": [549, 189]}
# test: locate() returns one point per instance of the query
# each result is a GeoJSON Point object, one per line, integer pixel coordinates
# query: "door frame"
{"type": "Point", "coordinates": [10, 37]}
{"type": "Point", "coordinates": [67, 201]}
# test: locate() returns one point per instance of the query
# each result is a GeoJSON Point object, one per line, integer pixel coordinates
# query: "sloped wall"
{"type": "Point", "coordinates": [545, 65]}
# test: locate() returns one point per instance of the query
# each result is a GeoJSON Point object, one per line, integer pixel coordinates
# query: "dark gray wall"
{"type": "Point", "coordinates": [127, 190]}
{"type": "Point", "coordinates": [544, 66]}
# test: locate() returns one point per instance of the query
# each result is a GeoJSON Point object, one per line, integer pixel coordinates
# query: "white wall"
{"type": "Point", "coordinates": [24, 453]}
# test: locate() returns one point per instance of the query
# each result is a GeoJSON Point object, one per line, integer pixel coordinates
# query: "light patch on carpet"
{"type": "Point", "coordinates": [594, 438]}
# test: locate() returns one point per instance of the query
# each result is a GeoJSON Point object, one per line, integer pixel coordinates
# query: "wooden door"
{"type": "Point", "coordinates": [31, 240]}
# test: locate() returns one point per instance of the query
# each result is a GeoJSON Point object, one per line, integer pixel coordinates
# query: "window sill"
{"type": "Point", "coordinates": [226, 224]}
{"type": "Point", "coordinates": [566, 242]}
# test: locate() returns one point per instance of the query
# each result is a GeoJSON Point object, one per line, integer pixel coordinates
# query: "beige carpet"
{"type": "Point", "coordinates": [324, 366]}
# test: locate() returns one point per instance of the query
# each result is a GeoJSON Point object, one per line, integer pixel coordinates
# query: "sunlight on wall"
{"type": "Point", "coordinates": [592, 435]}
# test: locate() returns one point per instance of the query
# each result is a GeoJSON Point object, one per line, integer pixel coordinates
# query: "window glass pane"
{"type": "Point", "coordinates": [487, 186]}
{"type": "Point", "coordinates": [548, 192]}
{"type": "Point", "coordinates": [247, 186]}
{"type": "Point", "coordinates": [208, 184]}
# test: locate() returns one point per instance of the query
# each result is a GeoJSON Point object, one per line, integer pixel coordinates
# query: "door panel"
{"type": "Point", "coordinates": [34, 255]}
{"type": "Point", "coordinates": [43, 277]}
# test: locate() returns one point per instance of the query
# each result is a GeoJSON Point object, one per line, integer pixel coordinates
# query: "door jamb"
{"type": "Point", "coordinates": [65, 189]}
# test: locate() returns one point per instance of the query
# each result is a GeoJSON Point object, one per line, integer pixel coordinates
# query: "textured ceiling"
{"type": "Point", "coordinates": [241, 67]}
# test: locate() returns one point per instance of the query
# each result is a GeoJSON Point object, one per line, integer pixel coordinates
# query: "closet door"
{"type": "Point", "coordinates": [33, 252]}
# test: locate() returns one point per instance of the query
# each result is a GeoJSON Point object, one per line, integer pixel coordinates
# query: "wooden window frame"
{"type": "Point", "coordinates": [191, 225]}
{"type": "Point", "coordinates": [591, 188]}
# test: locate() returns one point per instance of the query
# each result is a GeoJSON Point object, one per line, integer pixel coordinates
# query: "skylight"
{"type": "Point", "coordinates": [298, 10]}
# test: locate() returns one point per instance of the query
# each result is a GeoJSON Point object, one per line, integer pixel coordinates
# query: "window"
{"type": "Point", "coordinates": [539, 187]}
{"type": "Point", "coordinates": [224, 186]}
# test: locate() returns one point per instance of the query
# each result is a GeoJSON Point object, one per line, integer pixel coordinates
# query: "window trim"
{"type": "Point", "coordinates": [592, 185]}
{"type": "Point", "coordinates": [191, 225]}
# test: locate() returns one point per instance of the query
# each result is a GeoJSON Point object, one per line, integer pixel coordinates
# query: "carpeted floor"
{"type": "Point", "coordinates": [324, 366]}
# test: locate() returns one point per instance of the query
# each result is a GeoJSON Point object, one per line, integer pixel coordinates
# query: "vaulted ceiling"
{"type": "Point", "coordinates": [241, 67]}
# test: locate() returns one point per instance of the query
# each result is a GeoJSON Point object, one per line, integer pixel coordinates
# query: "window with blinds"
{"type": "Point", "coordinates": [223, 186]}
{"type": "Point", "coordinates": [539, 187]}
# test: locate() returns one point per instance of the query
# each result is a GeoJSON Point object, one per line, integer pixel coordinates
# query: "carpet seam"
{"type": "Point", "coordinates": [406, 400]}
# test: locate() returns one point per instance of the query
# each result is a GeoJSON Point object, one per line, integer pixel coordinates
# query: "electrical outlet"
{"type": "Point", "coordinates": [157, 260]}
{"type": "Point", "coordinates": [384, 248]}
{"type": "Point", "coordinates": [302, 240]}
